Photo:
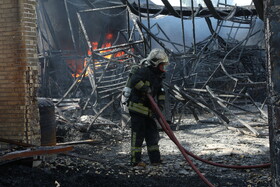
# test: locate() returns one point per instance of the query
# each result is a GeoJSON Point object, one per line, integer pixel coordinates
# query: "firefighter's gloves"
{"type": "Point", "coordinates": [125, 97]}
{"type": "Point", "coordinates": [149, 90]}
{"type": "Point", "coordinates": [146, 90]}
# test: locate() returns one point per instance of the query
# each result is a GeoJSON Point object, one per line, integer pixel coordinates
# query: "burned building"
{"type": "Point", "coordinates": [77, 55]}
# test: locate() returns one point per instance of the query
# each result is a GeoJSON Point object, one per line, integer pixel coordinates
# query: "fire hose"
{"type": "Point", "coordinates": [169, 132]}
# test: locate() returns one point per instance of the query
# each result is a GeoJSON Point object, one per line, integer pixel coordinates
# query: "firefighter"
{"type": "Point", "coordinates": [146, 80]}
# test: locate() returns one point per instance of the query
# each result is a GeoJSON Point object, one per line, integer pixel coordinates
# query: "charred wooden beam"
{"type": "Point", "coordinates": [259, 4]}
{"type": "Point", "coordinates": [272, 13]}
{"type": "Point", "coordinates": [35, 151]}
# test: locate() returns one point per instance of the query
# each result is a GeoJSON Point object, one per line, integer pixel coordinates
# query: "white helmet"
{"type": "Point", "coordinates": [157, 56]}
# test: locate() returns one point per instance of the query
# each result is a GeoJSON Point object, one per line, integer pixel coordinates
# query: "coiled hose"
{"type": "Point", "coordinates": [185, 152]}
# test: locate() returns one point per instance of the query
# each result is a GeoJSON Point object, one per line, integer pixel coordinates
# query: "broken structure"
{"type": "Point", "coordinates": [85, 50]}
{"type": "Point", "coordinates": [86, 55]}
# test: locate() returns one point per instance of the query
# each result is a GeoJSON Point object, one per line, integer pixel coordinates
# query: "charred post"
{"type": "Point", "coordinates": [272, 14]}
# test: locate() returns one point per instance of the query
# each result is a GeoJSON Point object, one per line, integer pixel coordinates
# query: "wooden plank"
{"type": "Point", "coordinates": [77, 142]}
{"type": "Point", "coordinates": [46, 150]}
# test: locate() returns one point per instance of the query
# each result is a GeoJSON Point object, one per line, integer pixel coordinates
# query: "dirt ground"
{"type": "Point", "coordinates": [106, 162]}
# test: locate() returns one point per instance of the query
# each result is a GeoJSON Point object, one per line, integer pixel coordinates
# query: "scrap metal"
{"type": "Point", "coordinates": [224, 64]}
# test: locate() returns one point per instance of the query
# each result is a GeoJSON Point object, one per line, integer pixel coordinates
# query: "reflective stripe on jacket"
{"type": "Point", "coordinates": [139, 108]}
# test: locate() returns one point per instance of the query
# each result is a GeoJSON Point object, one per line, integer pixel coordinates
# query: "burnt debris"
{"type": "Point", "coordinates": [87, 53]}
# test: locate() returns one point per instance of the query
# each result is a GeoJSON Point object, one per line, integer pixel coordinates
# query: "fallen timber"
{"type": "Point", "coordinates": [35, 152]}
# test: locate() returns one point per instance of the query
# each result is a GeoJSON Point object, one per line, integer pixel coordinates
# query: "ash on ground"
{"type": "Point", "coordinates": [105, 162]}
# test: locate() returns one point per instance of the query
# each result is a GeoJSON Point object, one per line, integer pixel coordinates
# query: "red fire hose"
{"type": "Point", "coordinates": [185, 152]}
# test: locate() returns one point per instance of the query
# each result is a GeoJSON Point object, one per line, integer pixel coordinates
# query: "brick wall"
{"type": "Point", "coordinates": [19, 117]}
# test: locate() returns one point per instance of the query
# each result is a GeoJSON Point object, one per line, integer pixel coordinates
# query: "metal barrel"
{"type": "Point", "coordinates": [47, 122]}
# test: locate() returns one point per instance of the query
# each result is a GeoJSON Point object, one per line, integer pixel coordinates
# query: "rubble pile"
{"type": "Point", "coordinates": [105, 161]}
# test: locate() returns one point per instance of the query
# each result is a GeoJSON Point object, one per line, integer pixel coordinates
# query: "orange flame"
{"type": "Point", "coordinates": [77, 67]}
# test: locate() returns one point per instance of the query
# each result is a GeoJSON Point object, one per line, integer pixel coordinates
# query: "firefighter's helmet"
{"type": "Point", "coordinates": [157, 56]}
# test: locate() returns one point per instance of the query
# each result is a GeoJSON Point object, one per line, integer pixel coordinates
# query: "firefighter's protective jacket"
{"type": "Point", "coordinates": [146, 79]}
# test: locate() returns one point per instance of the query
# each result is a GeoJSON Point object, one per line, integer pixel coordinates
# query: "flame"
{"type": "Point", "coordinates": [109, 36]}
{"type": "Point", "coordinates": [78, 66]}
{"type": "Point", "coordinates": [95, 46]}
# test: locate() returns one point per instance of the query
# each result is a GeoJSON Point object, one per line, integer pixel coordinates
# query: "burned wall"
{"type": "Point", "coordinates": [19, 117]}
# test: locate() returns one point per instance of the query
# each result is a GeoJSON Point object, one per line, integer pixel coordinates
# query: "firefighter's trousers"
{"type": "Point", "coordinates": [144, 128]}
